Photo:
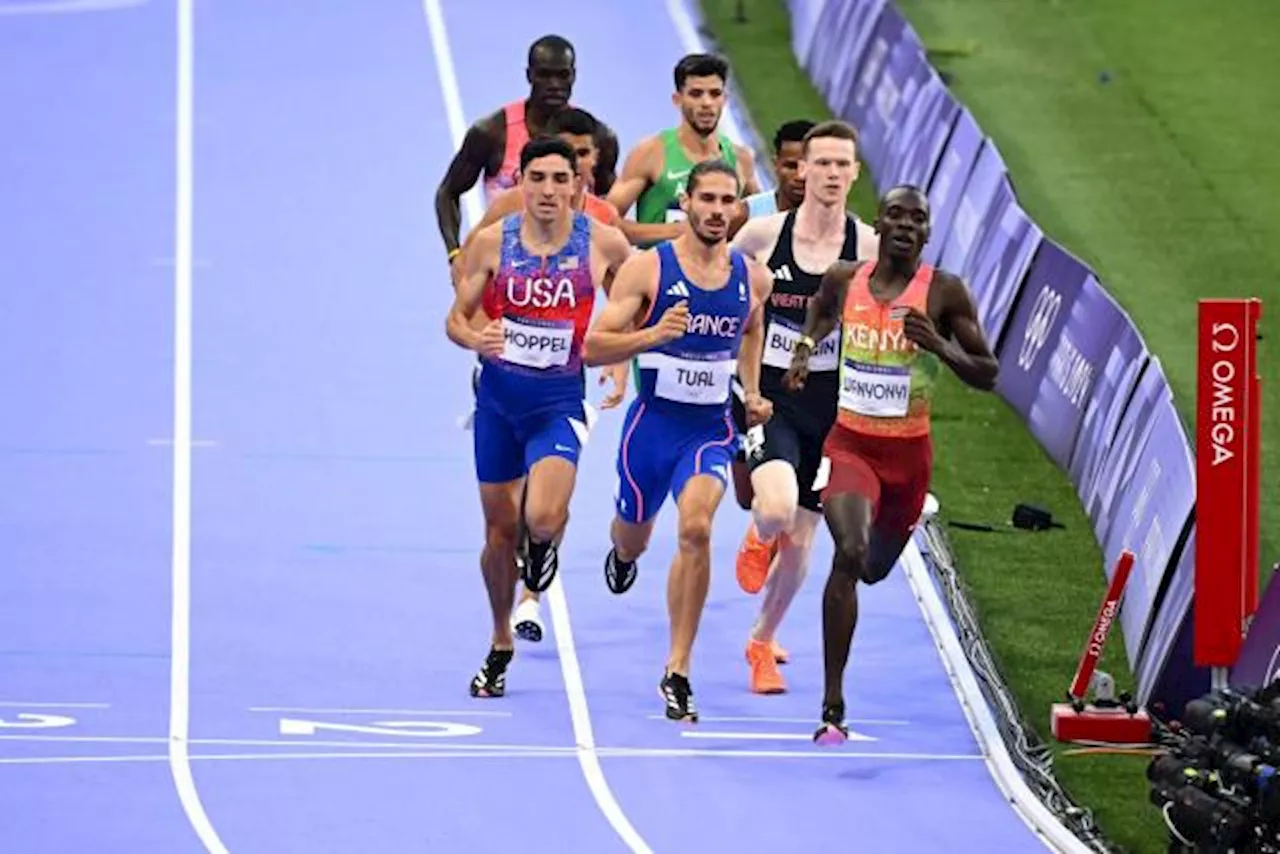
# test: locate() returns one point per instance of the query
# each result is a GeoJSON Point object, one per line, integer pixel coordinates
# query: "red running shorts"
{"type": "Point", "coordinates": [889, 471]}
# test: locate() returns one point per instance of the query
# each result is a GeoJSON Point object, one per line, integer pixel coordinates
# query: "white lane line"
{"type": "Point", "coordinates": [14, 704]}
{"type": "Point", "coordinates": [180, 651]}
{"type": "Point", "coordinates": [300, 711]}
{"type": "Point", "coordinates": [579, 712]}
{"type": "Point", "coordinates": [513, 753]}
{"type": "Point", "coordinates": [764, 736]}
{"type": "Point", "coordinates": [810, 721]}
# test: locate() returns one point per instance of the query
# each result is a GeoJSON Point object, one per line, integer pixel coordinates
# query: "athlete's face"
{"type": "Point", "coordinates": [551, 78]}
{"type": "Point", "coordinates": [903, 224]}
{"type": "Point", "coordinates": [710, 204]}
{"type": "Point", "coordinates": [584, 147]}
{"type": "Point", "coordinates": [829, 169]}
{"type": "Point", "coordinates": [701, 101]}
{"type": "Point", "coordinates": [549, 185]}
{"type": "Point", "coordinates": [786, 168]}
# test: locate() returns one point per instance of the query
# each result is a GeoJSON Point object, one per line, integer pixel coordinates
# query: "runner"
{"type": "Point", "coordinates": [784, 455]}
{"type": "Point", "coordinates": [654, 174]}
{"type": "Point", "coordinates": [788, 147]}
{"type": "Point", "coordinates": [492, 145]}
{"type": "Point", "coordinates": [535, 273]}
{"type": "Point", "coordinates": [687, 308]}
{"type": "Point", "coordinates": [578, 128]}
{"type": "Point", "coordinates": [901, 321]}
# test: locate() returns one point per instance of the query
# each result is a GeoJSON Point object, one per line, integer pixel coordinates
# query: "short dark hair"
{"type": "Point", "coordinates": [575, 121]}
{"type": "Point", "coordinates": [700, 65]}
{"type": "Point", "coordinates": [544, 146]}
{"type": "Point", "coordinates": [834, 129]}
{"type": "Point", "coordinates": [908, 189]}
{"type": "Point", "coordinates": [551, 44]}
{"type": "Point", "coordinates": [792, 131]}
{"type": "Point", "coordinates": [707, 167]}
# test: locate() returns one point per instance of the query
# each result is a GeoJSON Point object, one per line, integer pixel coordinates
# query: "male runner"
{"type": "Point", "coordinates": [687, 308]}
{"type": "Point", "coordinates": [788, 146]}
{"type": "Point", "coordinates": [578, 128]}
{"type": "Point", "coordinates": [784, 455]}
{"type": "Point", "coordinates": [492, 145]}
{"type": "Point", "coordinates": [535, 273]}
{"type": "Point", "coordinates": [901, 321]}
{"type": "Point", "coordinates": [654, 174]}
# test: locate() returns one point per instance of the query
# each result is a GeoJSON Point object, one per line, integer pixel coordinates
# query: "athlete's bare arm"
{"type": "Point", "coordinates": [956, 338]}
{"type": "Point", "coordinates": [747, 170]}
{"type": "Point", "coordinates": [473, 158]}
{"type": "Point", "coordinates": [822, 317]}
{"type": "Point", "coordinates": [611, 247]}
{"type": "Point", "coordinates": [751, 352]}
{"type": "Point", "coordinates": [612, 337]}
{"type": "Point", "coordinates": [481, 264]}
{"type": "Point", "coordinates": [638, 174]}
{"type": "Point", "coordinates": [758, 237]}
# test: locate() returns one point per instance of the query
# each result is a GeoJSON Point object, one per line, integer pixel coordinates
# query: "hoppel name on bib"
{"type": "Point", "coordinates": [878, 391]}
{"type": "Point", "coordinates": [536, 345]}
{"type": "Point", "coordinates": [780, 346]}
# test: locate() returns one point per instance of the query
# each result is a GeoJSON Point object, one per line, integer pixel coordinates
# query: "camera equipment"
{"type": "Point", "coordinates": [1217, 782]}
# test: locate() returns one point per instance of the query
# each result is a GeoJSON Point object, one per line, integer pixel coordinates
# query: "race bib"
{"type": "Point", "coordinates": [877, 391]}
{"type": "Point", "coordinates": [780, 345]}
{"type": "Point", "coordinates": [536, 345]}
{"type": "Point", "coordinates": [690, 380]}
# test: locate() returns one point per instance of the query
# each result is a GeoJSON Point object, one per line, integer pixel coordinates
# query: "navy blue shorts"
{"type": "Point", "coordinates": [661, 450]}
{"type": "Point", "coordinates": [507, 446]}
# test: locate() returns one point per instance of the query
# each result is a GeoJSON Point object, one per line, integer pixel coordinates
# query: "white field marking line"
{"type": "Point", "coordinates": [13, 704]}
{"type": "Point", "coordinates": [297, 711]}
{"type": "Point", "coordinates": [416, 744]}
{"type": "Point", "coordinates": [612, 753]}
{"type": "Point", "coordinates": [194, 443]}
{"type": "Point", "coordinates": [578, 710]}
{"type": "Point", "coordinates": [765, 736]}
{"type": "Point", "coordinates": [180, 652]}
{"type": "Point", "coordinates": [68, 7]}
{"type": "Point", "coordinates": [733, 719]}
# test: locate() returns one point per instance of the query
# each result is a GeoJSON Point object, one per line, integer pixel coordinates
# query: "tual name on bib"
{"type": "Point", "coordinates": [690, 381]}
{"type": "Point", "coordinates": [535, 346]}
{"type": "Point", "coordinates": [877, 391]}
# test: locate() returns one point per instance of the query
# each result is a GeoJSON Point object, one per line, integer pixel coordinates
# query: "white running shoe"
{"type": "Point", "coordinates": [526, 621]}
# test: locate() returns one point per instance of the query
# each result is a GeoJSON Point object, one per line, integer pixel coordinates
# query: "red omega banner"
{"type": "Point", "coordinates": [1227, 403]}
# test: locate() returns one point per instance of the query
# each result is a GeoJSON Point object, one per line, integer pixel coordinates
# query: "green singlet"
{"type": "Point", "coordinates": [660, 202]}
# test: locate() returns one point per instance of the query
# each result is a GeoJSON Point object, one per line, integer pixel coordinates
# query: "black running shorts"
{"type": "Point", "coordinates": [790, 435]}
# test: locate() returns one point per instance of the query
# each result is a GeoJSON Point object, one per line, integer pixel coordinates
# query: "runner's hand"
{"type": "Point", "coordinates": [619, 374]}
{"type": "Point", "coordinates": [793, 380]}
{"type": "Point", "coordinates": [491, 340]}
{"type": "Point", "coordinates": [673, 323]}
{"type": "Point", "coordinates": [759, 409]}
{"type": "Point", "coordinates": [919, 328]}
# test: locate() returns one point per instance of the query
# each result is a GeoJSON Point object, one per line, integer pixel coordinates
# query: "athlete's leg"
{"type": "Point", "coordinates": [773, 452]}
{"type": "Point", "coordinates": [743, 490]}
{"type": "Point", "coordinates": [644, 466]}
{"type": "Point", "coordinates": [551, 454]}
{"type": "Point", "coordinates": [499, 452]}
{"type": "Point", "coordinates": [790, 568]}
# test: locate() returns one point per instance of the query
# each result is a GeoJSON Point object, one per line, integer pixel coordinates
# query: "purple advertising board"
{"type": "Point", "coordinates": [839, 47]}
{"type": "Point", "coordinates": [1048, 296]}
{"type": "Point", "coordinates": [1259, 661]}
{"type": "Point", "coordinates": [933, 115]}
{"type": "Point", "coordinates": [1071, 370]}
{"type": "Point", "coordinates": [805, 15]}
{"type": "Point", "coordinates": [1166, 670]}
{"type": "Point", "coordinates": [1000, 266]}
{"type": "Point", "coordinates": [1151, 510]}
{"type": "Point", "coordinates": [854, 103]}
{"type": "Point", "coordinates": [972, 214]}
{"type": "Point", "coordinates": [905, 72]}
{"type": "Point", "coordinates": [1112, 385]}
{"type": "Point", "coordinates": [949, 178]}
{"type": "Point", "coordinates": [1120, 463]}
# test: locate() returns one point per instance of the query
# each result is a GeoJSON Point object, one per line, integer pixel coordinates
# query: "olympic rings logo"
{"type": "Point", "coordinates": [1044, 313]}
